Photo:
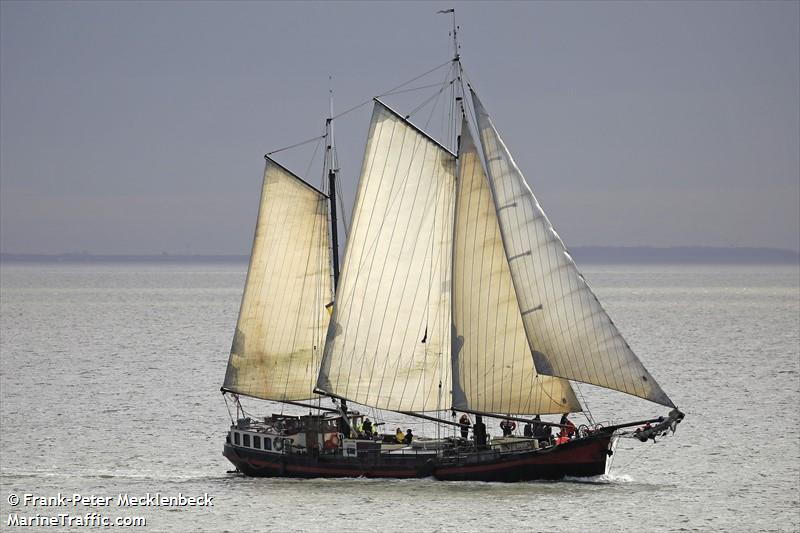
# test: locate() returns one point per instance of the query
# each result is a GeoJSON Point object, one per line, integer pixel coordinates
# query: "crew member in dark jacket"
{"type": "Point", "coordinates": [479, 431]}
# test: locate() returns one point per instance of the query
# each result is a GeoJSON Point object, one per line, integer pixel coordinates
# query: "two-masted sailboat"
{"type": "Point", "coordinates": [455, 295]}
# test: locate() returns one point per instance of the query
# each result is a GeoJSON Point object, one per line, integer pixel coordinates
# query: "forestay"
{"type": "Point", "coordinates": [569, 332]}
{"type": "Point", "coordinates": [389, 341]}
{"type": "Point", "coordinates": [493, 369]}
{"type": "Point", "coordinates": [279, 336]}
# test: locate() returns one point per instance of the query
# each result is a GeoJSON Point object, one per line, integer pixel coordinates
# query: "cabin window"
{"type": "Point", "coordinates": [246, 439]}
{"type": "Point", "coordinates": [235, 437]}
{"type": "Point", "coordinates": [267, 443]}
{"type": "Point", "coordinates": [256, 442]}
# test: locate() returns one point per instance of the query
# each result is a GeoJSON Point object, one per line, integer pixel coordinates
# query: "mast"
{"type": "Point", "coordinates": [334, 224]}
{"type": "Point", "coordinates": [458, 90]}
{"type": "Point", "coordinates": [332, 194]}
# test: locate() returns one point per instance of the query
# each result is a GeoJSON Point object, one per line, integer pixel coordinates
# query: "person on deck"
{"type": "Point", "coordinates": [399, 436]}
{"type": "Point", "coordinates": [465, 424]}
{"type": "Point", "coordinates": [527, 430]}
{"type": "Point", "coordinates": [366, 427]}
{"type": "Point", "coordinates": [567, 428]}
{"type": "Point", "coordinates": [479, 432]}
{"type": "Point", "coordinates": [408, 438]}
{"type": "Point", "coordinates": [508, 427]}
{"type": "Point", "coordinates": [542, 432]}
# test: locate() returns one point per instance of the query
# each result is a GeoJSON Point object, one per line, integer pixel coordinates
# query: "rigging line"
{"type": "Point", "coordinates": [227, 407]}
{"type": "Point", "coordinates": [371, 246]}
{"type": "Point", "coordinates": [586, 411]}
{"type": "Point", "coordinates": [341, 206]}
{"type": "Point", "coordinates": [318, 137]}
{"type": "Point", "coordinates": [313, 157]}
{"type": "Point", "coordinates": [392, 93]}
{"type": "Point", "coordinates": [428, 100]}
{"type": "Point", "coordinates": [392, 89]}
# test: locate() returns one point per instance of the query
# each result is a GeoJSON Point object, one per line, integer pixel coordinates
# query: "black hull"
{"type": "Point", "coordinates": [258, 464]}
{"type": "Point", "coordinates": [579, 458]}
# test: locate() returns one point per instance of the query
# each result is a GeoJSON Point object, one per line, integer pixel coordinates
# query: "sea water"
{"type": "Point", "coordinates": [109, 389]}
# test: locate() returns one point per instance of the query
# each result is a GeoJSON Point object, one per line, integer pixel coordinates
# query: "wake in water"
{"type": "Point", "coordinates": [603, 479]}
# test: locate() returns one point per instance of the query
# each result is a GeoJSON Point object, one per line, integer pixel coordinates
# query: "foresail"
{"type": "Point", "coordinates": [388, 345]}
{"type": "Point", "coordinates": [493, 369]}
{"type": "Point", "coordinates": [568, 331]}
{"type": "Point", "coordinates": [277, 347]}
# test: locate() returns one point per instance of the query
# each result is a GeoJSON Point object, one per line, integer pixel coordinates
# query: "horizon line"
{"type": "Point", "coordinates": [710, 254]}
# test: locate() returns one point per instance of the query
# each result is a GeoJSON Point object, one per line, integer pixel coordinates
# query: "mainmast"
{"type": "Point", "coordinates": [458, 89]}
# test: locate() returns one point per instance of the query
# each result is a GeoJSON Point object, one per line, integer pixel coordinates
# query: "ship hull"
{"type": "Point", "coordinates": [257, 464]}
{"type": "Point", "coordinates": [579, 458]}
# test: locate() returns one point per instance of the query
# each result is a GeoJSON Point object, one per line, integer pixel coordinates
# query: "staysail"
{"type": "Point", "coordinates": [280, 332]}
{"type": "Point", "coordinates": [568, 331]}
{"type": "Point", "coordinates": [388, 345]}
{"type": "Point", "coordinates": [493, 369]}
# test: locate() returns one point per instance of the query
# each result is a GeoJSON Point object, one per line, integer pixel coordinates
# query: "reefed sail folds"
{"type": "Point", "coordinates": [389, 341]}
{"type": "Point", "coordinates": [277, 347]}
{"type": "Point", "coordinates": [569, 332]}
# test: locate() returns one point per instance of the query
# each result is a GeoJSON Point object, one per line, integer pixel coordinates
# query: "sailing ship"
{"type": "Point", "coordinates": [456, 295]}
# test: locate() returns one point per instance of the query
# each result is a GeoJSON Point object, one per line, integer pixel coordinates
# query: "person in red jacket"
{"type": "Point", "coordinates": [568, 428]}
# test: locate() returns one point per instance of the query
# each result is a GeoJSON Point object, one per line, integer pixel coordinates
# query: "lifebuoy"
{"type": "Point", "coordinates": [277, 445]}
{"type": "Point", "coordinates": [332, 442]}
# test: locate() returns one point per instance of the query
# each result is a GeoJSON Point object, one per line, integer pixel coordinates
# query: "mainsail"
{"type": "Point", "coordinates": [568, 331]}
{"type": "Point", "coordinates": [493, 369]}
{"type": "Point", "coordinates": [277, 347]}
{"type": "Point", "coordinates": [388, 344]}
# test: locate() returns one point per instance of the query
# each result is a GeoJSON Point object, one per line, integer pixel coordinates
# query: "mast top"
{"type": "Point", "coordinates": [454, 34]}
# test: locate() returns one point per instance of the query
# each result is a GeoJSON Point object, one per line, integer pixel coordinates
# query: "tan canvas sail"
{"type": "Point", "coordinates": [279, 336]}
{"type": "Point", "coordinates": [569, 332]}
{"type": "Point", "coordinates": [492, 365]}
{"type": "Point", "coordinates": [389, 341]}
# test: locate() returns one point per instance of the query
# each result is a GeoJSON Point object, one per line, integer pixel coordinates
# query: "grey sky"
{"type": "Point", "coordinates": [140, 127]}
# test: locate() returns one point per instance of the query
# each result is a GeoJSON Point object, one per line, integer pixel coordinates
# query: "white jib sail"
{"type": "Point", "coordinates": [280, 333]}
{"type": "Point", "coordinates": [388, 345]}
{"type": "Point", "coordinates": [569, 332]}
{"type": "Point", "coordinates": [493, 368]}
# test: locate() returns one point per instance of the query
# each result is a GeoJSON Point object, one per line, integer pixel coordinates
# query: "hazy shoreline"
{"type": "Point", "coordinates": [581, 254]}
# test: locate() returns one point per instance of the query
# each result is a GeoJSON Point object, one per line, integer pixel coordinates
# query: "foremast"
{"type": "Point", "coordinates": [333, 169]}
